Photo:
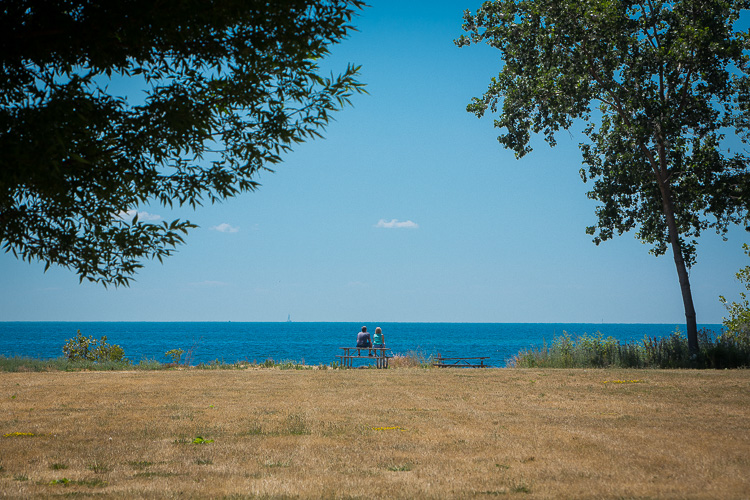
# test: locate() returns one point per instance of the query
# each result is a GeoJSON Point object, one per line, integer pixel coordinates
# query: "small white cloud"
{"type": "Point", "coordinates": [395, 223]}
{"type": "Point", "coordinates": [142, 216]}
{"type": "Point", "coordinates": [225, 228]}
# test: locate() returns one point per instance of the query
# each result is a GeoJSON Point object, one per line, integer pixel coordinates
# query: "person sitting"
{"type": "Point", "coordinates": [363, 339]}
{"type": "Point", "coordinates": [378, 340]}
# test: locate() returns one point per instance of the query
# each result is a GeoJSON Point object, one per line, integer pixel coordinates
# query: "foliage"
{"type": "Point", "coordinates": [175, 354]}
{"type": "Point", "coordinates": [216, 364]}
{"type": "Point", "coordinates": [657, 84]}
{"type": "Point", "coordinates": [83, 348]}
{"type": "Point", "coordinates": [25, 364]}
{"type": "Point", "coordinates": [212, 92]}
{"type": "Point", "coordinates": [570, 352]}
{"type": "Point", "coordinates": [596, 351]}
{"type": "Point", "coordinates": [737, 325]}
{"type": "Point", "coordinates": [285, 365]}
{"type": "Point", "coordinates": [149, 364]}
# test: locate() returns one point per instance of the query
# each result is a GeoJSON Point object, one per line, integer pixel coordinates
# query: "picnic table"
{"type": "Point", "coordinates": [474, 362]}
{"type": "Point", "coordinates": [381, 355]}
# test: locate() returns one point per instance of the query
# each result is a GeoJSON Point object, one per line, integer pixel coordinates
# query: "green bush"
{"type": "Point", "coordinates": [737, 325]}
{"type": "Point", "coordinates": [175, 354]}
{"type": "Point", "coordinates": [82, 348]}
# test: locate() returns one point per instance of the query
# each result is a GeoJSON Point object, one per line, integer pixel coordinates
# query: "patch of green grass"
{"type": "Point", "coordinates": [255, 430]}
{"type": "Point", "coordinates": [520, 488]}
{"type": "Point", "coordinates": [150, 474]}
{"type": "Point", "coordinates": [285, 365]}
{"type": "Point", "coordinates": [21, 477]}
{"type": "Point", "coordinates": [150, 364]}
{"type": "Point", "coordinates": [296, 424]}
{"type": "Point", "coordinates": [26, 364]}
{"type": "Point", "coordinates": [58, 466]}
{"type": "Point", "coordinates": [62, 364]}
{"type": "Point", "coordinates": [203, 461]}
{"type": "Point", "coordinates": [91, 483]}
{"type": "Point", "coordinates": [140, 465]}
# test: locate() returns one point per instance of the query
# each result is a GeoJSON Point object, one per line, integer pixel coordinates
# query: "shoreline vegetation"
{"type": "Point", "coordinates": [716, 351]}
{"type": "Point", "coordinates": [406, 433]}
{"type": "Point", "coordinates": [62, 364]}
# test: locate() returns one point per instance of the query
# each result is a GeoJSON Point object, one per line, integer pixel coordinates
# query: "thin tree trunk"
{"type": "Point", "coordinates": [687, 295]}
{"type": "Point", "coordinates": [679, 262]}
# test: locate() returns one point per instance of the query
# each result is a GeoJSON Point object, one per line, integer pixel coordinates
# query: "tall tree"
{"type": "Point", "coordinates": [658, 84]}
{"type": "Point", "coordinates": [226, 87]}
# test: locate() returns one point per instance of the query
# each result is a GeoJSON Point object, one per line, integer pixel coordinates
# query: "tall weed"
{"type": "Point", "coordinates": [596, 351]}
{"type": "Point", "coordinates": [412, 359]}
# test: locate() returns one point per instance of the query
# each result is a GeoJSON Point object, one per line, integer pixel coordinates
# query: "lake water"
{"type": "Point", "coordinates": [313, 343]}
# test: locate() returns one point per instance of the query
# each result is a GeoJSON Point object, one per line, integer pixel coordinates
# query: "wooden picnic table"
{"type": "Point", "coordinates": [472, 362]}
{"type": "Point", "coordinates": [379, 354]}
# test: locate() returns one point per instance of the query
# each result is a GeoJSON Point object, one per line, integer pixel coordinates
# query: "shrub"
{"type": "Point", "coordinates": [175, 354]}
{"type": "Point", "coordinates": [83, 348]}
{"type": "Point", "coordinates": [737, 325]}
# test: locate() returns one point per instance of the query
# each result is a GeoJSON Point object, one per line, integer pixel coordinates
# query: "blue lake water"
{"type": "Point", "coordinates": [313, 343]}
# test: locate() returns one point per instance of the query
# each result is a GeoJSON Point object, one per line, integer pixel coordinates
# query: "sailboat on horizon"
{"type": "Point", "coordinates": [289, 318]}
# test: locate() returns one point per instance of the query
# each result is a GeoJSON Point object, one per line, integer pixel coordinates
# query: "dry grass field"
{"type": "Point", "coordinates": [406, 433]}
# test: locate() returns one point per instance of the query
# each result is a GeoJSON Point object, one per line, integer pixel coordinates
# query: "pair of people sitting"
{"type": "Point", "coordinates": [363, 338]}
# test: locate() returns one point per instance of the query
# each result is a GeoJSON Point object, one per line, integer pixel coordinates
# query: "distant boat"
{"type": "Point", "coordinates": [289, 318]}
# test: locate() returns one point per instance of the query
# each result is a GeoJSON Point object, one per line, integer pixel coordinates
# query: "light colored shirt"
{"type": "Point", "coordinates": [377, 338]}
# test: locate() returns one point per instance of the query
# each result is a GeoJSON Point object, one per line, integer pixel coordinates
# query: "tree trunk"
{"type": "Point", "coordinates": [687, 294]}
{"type": "Point", "coordinates": [679, 262]}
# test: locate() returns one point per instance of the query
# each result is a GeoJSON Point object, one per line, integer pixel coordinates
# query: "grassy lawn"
{"type": "Point", "coordinates": [405, 433]}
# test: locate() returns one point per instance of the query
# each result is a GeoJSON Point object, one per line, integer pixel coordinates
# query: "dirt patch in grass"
{"type": "Point", "coordinates": [408, 433]}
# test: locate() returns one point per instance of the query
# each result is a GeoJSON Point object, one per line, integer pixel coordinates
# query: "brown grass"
{"type": "Point", "coordinates": [408, 433]}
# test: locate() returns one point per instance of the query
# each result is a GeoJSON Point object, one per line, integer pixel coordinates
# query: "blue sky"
{"type": "Point", "coordinates": [408, 210]}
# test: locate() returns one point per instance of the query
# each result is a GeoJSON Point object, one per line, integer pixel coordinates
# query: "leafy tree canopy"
{"type": "Point", "coordinates": [658, 85]}
{"type": "Point", "coordinates": [737, 325]}
{"type": "Point", "coordinates": [228, 86]}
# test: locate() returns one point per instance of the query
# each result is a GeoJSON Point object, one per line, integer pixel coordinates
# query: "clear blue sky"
{"type": "Point", "coordinates": [469, 233]}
